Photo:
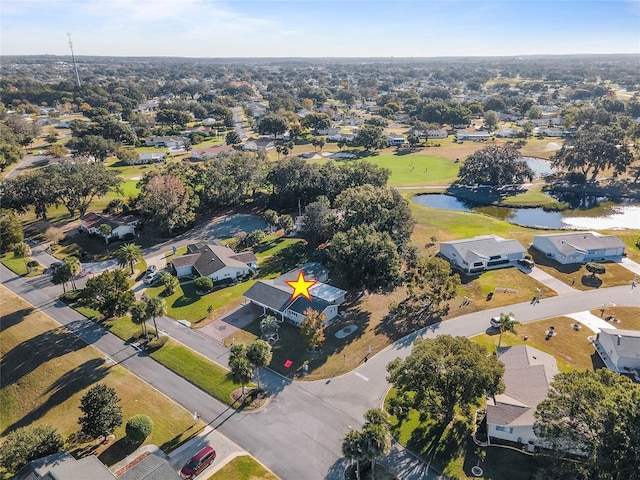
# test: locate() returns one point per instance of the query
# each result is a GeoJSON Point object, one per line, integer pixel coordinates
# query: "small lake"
{"type": "Point", "coordinates": [540, 166]}
{"type": "Point", "coordinates": [587, 213]}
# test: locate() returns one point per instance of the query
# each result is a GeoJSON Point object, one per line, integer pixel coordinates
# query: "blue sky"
{"type": "Point", "coordinates": [319, 28]}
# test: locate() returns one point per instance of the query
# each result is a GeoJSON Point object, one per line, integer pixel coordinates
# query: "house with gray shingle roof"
{"type": "Point", "coordinates": [274, 296]}
{"type": "Point", "coordinates": [215, 261]}
{"type": "Point", "coordinates": [474, 255]}
{"type": "Point", "coordinates": [619, 349]}
{"type": "Point", "coordinates": [527, 377]}
{"type": "Point", "coordinates": [580, 247]}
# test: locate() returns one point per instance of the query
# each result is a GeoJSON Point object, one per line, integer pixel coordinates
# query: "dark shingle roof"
{"type": "Point", "coordinates": [267, 293]}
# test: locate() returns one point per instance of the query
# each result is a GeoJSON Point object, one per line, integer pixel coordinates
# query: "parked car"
{"type": "Point", "coordinates": [151, 268]}
{"type": "Point", "coordinates": [198, 463]}
{"type": "Point", "coordinates": [54, 266]}
{"type": "Point", "coordinates": [151, 278]}
{"type": "Point", "coordinates": [526, 263]}
{"type": "Point", "coordinates": [495, 322]}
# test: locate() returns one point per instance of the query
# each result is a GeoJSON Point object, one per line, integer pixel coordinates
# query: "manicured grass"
{"type": "Point", "coordinates": [203, 373]}
{"type": "Point", "coordinates": [534, 196]}
{"type": "Point", "coordinates": [629, 316]}
{"type": "Point", "coordinates": [179, 251]}
{"type": "Point", "coordinates": [186, 304]}
{"type": "Point", "coordinates": [46, 370]}
{"type": "Point", "coordinates": [577, 275]}
{"type": "Point", "coordinates": [17, 265]}
{"type": "Point", "coordinates": [570, 347]}
{"type": "Point", "coordinates": [243, 468]}
{"type": "Point", "coordinates": [420, 168]}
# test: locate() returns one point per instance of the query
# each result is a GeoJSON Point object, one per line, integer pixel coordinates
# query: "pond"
{"type": "Point", "coordinates": [540, 166]}
{"type": "Point", "coordinates": [587, 213]}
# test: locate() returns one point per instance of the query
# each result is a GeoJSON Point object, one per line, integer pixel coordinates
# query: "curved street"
{"type": "Point", "coordinates": [299, 434]}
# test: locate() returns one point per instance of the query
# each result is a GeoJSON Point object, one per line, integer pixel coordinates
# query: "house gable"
{"type": "Point", "coordinates": [481, 253]}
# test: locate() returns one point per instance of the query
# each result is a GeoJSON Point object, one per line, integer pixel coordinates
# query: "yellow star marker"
{"type": "Point", "coordinates": [301, 286]}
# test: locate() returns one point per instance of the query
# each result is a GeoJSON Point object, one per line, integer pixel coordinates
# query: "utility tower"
{"type": "Point", "coordinates": [73, 57]}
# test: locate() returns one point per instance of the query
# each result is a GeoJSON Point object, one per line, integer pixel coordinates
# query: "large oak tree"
{"type": "Point", "coordinates": [495, 165]}
{"type": "Point", "coordinates": [442, 373]}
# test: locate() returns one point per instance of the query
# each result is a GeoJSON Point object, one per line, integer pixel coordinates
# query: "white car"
{"type": "Point", "coordinates": [151, 278]}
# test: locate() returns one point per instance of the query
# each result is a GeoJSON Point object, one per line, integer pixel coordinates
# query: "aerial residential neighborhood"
{"type": "Point", "coordinates": [315, 241]}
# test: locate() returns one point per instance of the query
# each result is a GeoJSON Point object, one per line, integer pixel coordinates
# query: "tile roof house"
{"type": "Point", "coordinates": [215, 261]}
{"type": "Point", "coordinates": [473, 255]}
{"type": "Point", "coordinates": [580, 247]}
{"type": "Point", "coordinates": [274, 296]}
{"type": "Point", "coordinates": [120, 226]}
{"type": "Point", "coordinates": [527, 377]}
{"type": "Point", "coordinates": [619, 349]}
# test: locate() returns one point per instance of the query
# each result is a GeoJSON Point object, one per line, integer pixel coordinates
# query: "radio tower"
{"type": "Point", "coordinates": [73, 57]}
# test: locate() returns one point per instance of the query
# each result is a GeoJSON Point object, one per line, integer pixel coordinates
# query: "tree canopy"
{"type": "Point", "coordinates": [598, 415]}
{"type": "Point", "coordinates": [442, 373]}
{"type": "Point", "coordinates": [29, 443]}
{"type": "Point", "coordinates": [109, 293]}
{"type": "Point", "coordinates": [101, 414]}
{"type": "Point", "coordinates": [431, 284]}
{"type": "Point", "coordinates": [495, 165]}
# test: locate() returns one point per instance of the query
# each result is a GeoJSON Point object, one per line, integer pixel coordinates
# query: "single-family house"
{"type": "Point", "coordinates": [120, 226]}
{"type": "Point", "coordinates": [476, 136]}
{"type": "Point", "coordinates": [507, 132]}
{"type": "Point", "coordinates": [148, 157]}
{"type": "Point", "coordinates": [552, 132]}
{"type": "Point", "coordinates": [580, 247]}
{"type": "Point", "coordinates": [619, 349]}
{"type": "Point", "coordinates": [528, 373]}
{"type": "Point", "coordinates": [439, 133]}
{"type": "Point", "coordinates": [216, 261]}
{"type": "Point", "coordinates": [173, 143]}
{"type": "Point", "coordinates": [260, 144]}
{"type": "Point", "coordinates": [214, 151]}
{"type": "Point", "coordinates": [274, 296]}
{"type": "Point", "coordinates": [473, 255]}
{"type": "Point", "coordinates": [63, 466]}
{"type": "Point", "coordinates": [395, 140]}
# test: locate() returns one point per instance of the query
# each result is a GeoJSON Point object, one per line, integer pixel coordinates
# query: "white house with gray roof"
{"type": "Point", "coordinates": [216, 261]}
{"type": "Point", "coordinates": [274, 296]}
{"type": "Point", "coordinates": [474, 255]}
{"type": "Point", "coordinates": [580, 247]}
{"type": "Point", "coordinates": [619, 349]}
{"type": "Point", "coordinates": [527, 376]}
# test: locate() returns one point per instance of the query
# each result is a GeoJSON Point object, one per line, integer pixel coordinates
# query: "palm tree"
{"type": "Point", "coordinates": [259, 354]}
{"type": "Point", "coordinates": [240, 365]}
{"type": "Point", "coordinates": [156, 307]}
{"type": "Point", "coordinates": [507, 323]}
{"type": "Point", "coordinates": [129, 254]}
{"type": "Point", "coordinates": [376, 442]}
{"type": "Point", "coordinates": [352, 447]}
{"type": "Point", "coordinates": [170, 283]}
{"type": "Point", "coordinates": [61, 276]}
{"type": "Point", "coordinates": [139, 316]}
{"type": "Point", "coordinates": [269, 324]}
{"type": "Point", "coordinates": [73, 267]}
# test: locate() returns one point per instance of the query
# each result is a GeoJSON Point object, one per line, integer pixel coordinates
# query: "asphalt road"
{"type": "Point", "coordinates": [299, 434]}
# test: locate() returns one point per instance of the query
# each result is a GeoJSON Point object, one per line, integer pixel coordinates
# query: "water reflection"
{"type": "Point", "coordinates": [587, 213]}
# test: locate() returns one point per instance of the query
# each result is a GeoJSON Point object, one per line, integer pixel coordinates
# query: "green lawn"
{"type": "Point", "coordinates": [17, 265]}
{"type": "Point", "coordinates": [243, 468]}
{"type": "Point", "coordinates": [200, 371]}
{"type": "Point", "coordinates": [46, 370]}
{"type": "Point", "coordinates": [419, 168]}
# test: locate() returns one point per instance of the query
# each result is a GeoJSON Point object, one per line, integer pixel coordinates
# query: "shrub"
{"type": "Point", "coordinates": [33, 264]}
{"type": "Point", "coordinates": [157, 343]}
{"type": "Point", "coordinates": [138, 428]}
{"type": "Point", "coordinates": [203, 284]}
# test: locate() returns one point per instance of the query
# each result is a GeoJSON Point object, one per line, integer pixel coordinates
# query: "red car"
{"type": "Point", "coordinates": [198, 463]}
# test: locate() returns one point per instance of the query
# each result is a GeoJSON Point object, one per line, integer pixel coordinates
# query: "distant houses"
{"type": "Point", "coordinates": [580, 247]}
{"type": "Point", "coordinates": [207, 153]}
{"type": "Point", "coordinates": [274, 296]}
{"type": "Point", "coordinates": [260, 144]}
{"type": "Point", "coordinates": [119, 226]}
